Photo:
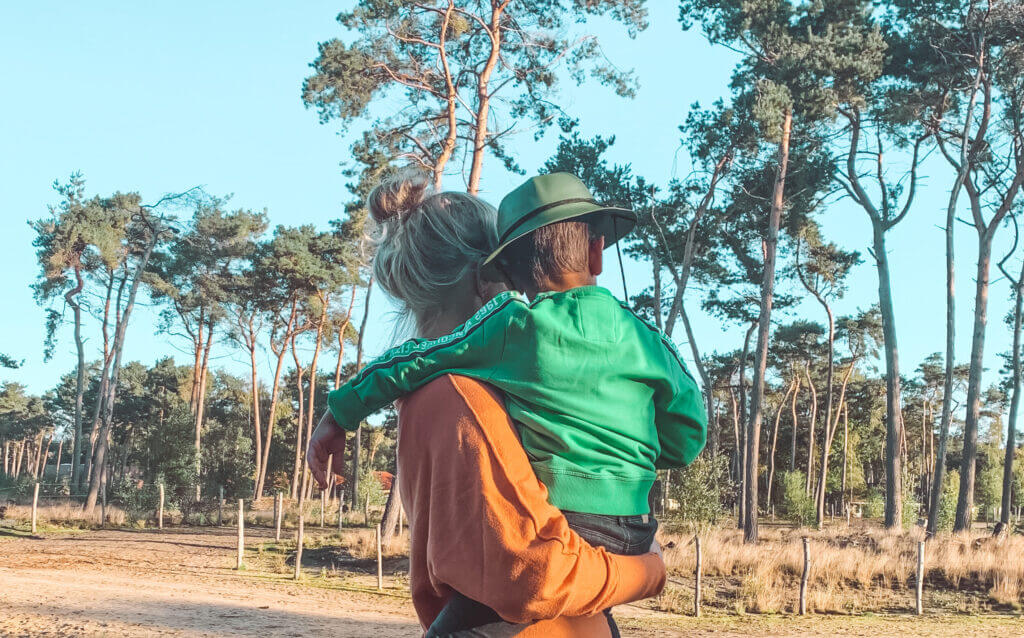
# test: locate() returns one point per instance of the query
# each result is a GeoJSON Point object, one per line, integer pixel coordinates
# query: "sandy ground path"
{"type": "Point", "coordinates": [175, 583]}
{"type": "Point", "coordinates": [181, 582]}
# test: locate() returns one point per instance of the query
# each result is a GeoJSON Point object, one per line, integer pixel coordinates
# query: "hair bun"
{"type": "Point", "coordinates": [398, 195]}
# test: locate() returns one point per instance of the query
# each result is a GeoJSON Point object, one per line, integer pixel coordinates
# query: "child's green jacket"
{"type": "Point", "coordinates": [602, 398]}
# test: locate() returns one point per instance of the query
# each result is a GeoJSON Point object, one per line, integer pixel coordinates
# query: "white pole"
{"type": "Point", "coordinates": [380, 566]}
{"type": "Point", "coordinates": [803, 578]}
{"type": "Point", "coordinates": [278, 515]}
{"type": "Point", "coordinates": [241, 532]}
{"type": "Point", "coordinates": [696, 583]}
{"type": "Point", "coordinates": [35, 506]}
{"type": "Point", "coordinates": [298, 547]}
{"type": "Point", "coordinates": [160, 509]}
{"type": "Point", "coordinates": [920, 577]}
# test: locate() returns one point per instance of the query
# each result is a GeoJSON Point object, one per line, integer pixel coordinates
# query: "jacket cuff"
{"type": "Point", "coordinates": [639, 577]}
{"type": "Point", "coordinates": [337, 402]}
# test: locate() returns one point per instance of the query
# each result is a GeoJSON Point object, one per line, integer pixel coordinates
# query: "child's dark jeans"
{"type": "Point", "coordinates": [627, 535]}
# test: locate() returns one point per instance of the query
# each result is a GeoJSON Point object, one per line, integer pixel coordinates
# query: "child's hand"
{"type": "Point", "coordinates": [328, 441]}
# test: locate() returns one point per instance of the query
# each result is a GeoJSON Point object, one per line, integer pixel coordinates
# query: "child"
{"type": "Point", "coordinates": [602, 399]}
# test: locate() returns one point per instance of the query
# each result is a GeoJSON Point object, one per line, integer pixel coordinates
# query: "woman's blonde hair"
{"type": "Point", "coordinates": [427, 242]}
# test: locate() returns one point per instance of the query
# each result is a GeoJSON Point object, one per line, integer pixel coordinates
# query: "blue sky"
{"type": "Point", "coordinates": [159, 97]}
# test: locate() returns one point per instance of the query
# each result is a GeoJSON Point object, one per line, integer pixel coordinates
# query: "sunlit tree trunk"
{"type": "Point", "coordinates": [764, 332]}
{"type": "Point", "coordinates": [1011, 425]}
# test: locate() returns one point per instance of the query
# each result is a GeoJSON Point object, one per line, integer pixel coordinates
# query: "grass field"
{"type": "Point", "coordinates": [70, 580]}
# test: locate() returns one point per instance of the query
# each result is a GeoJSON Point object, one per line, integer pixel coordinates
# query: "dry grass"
{"type": "Point", "coordinates": [65, 514]}
{"type": "Point", "coordinates": [852, 569]}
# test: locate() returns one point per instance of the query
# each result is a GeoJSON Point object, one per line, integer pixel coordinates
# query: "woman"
{"type": "Point", "coordinates": [479, 519]}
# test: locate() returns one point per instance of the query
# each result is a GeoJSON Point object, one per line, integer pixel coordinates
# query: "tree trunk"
{"type": "Point", "coordinates": [274, 396]}
{"type": "Point", "coordinates": [701, 369]}
{"type": "Point", "coordinates": [893, 407]}
{"type": "Point", "coordinates": [79, 376]}
{"type": "Point", "coordinates": [250, 340]}
{"type": "Point", "coordinates": [1011, 426]}
{"type": "Point", "coordinates": [831, 427]}
{"type": "Point", "coordinates": [846, 452]}
{"type": "Point", "coordinates": [808, 477]}
{"type": "Point", "coordinates": [299, 422]}
{"type": "Point", "coordinates": [108, 357]}
{"type": "Point", "coordinates": [389, 521]}
{"type": "Point", "coordinates": [763, 333]}
{"type": "Point", "coordinates": [306, 482]}
{"type": "Point", "coordinates": [100, 455]}
{"type": "Point", "coordinates": [950, 363]}
{"type": "Point", "coordinates": [357, 448]}
{"type": "Point", "coordinates": [965, 500]}
{"type": "Point", "coordinates": [775, 440]}
{"type": "Point", "coordinates": [201, 403]}
{"type": "Point", "coordinates": [483, 103]}
{"type": "Point", "coordinates": [741, 449]}
{"type": "Point", "coordinates": [792, 449]}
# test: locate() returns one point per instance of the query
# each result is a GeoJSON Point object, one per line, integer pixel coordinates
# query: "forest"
{"type": "Point", "coordinates": [835, 103]}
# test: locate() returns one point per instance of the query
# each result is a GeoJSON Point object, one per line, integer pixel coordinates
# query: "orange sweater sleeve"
{"type": "Point", "coordinates": [493, 536]}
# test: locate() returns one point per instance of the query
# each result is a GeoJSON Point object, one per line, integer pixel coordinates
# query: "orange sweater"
{"type": "Point", "coordinates": [480, 522]}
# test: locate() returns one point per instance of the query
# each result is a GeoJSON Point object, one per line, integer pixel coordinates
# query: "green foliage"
{"type": "Point", "coordinates": [796, 505]}
{"type": "Point", "coordinates": [874, 506]}
{"type": "Point", "coordinates": [947, 501]}
{"type": "Point", "coordinates": [138, 500]}
{"type": "Point", "coordinates": [370, 487]}
{"type": "Point", "coordinates": [436, 61]}
{"type": "Point", "coordinates": [911, 506]}
{"type": "Point", "coordinates": [988, 490]}
{"type": "Point", "coordinates": [698, 489]}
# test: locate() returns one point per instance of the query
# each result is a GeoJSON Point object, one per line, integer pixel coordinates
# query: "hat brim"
{"type": "Point", "coordinates": [610, 222]}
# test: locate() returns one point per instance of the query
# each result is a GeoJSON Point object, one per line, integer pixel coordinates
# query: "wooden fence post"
{"type": "Point", "coordinates": [341, 510]}
{"type": "Point", "coordinates": [160, 509]}
{"type": "Point", "coordinates": [380, 565]}
{"type": "Point", "coordinates": [35, 506]}
{"type": "Point", "coordinates": [103, 507]}
{"type": "Point", "coordinates": [696, 580]}
{"type": "Point", "coordinates": [920, 577]}
{"type": "Point", "coordinates": [366, 510]}
{"type": "Point", "coordinates": [803, 578]}
{"type": "Point", "coordinates": [241, 532]}
{"type": "Point", "coordinates": [220, 505]}
{"type": "Point", "coordinates": [278, 515]}
{"type": "Point", "coordinates": [401, 518]}
{"type": "Point", "coordinates": [323, 507]}
{"type": "Point", "coordinates": [298, 547]}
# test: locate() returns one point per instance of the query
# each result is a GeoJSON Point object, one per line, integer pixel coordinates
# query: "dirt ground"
{"type": "Point", "coordinates": [181, 582]}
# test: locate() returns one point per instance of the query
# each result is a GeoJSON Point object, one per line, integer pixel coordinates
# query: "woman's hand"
{"type": "Point", "coordinates": [327, 442]}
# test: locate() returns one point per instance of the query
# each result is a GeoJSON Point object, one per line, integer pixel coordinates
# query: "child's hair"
{"type": "Point", "coordinates": [427, 242]}
{"type": "Point", "coordinates": [562, 247]}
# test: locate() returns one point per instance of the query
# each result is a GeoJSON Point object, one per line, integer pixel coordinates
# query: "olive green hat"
{"type": "Point", "coordinates": [556, 197]}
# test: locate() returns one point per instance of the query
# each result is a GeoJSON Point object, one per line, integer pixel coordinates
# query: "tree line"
{"type": "Point", "coordinates": [832, 105]}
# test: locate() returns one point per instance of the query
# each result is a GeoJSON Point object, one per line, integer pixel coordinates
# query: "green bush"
{"type": "Point", "coordinates": [138, 503]}
{"type": "Point", "coordinates": [947, 502]}
{"type": "Point", "coordinates": [796, 505]}
{"type": "Point", "coordinates": [697, 489]}
{"type": "Point", "coordinates": [874, 507]}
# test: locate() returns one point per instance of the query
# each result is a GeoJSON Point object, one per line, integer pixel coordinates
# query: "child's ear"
{"type": "Point", "coordinates": [487, 289]}
{"type": "Point", "coordinates": [596, 256]}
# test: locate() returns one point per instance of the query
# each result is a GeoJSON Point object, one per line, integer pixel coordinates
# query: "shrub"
{"type": "Point", "coordinates": [874, 507]}
{"type": "Point", "coordinates": [796, 505]}
{"type": "Point", "coordinates": [947, 502]}
{"type": "Point", "coordinates": [698, 489]}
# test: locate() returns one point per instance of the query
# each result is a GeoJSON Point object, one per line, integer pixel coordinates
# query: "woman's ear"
{"type": "Point", "coordinates": [595, 255]}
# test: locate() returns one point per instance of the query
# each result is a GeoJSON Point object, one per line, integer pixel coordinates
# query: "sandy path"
{"type": "Point", "coordinates": [180, 582]}
{"type": "Point", "coordinates": [172, 584]}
